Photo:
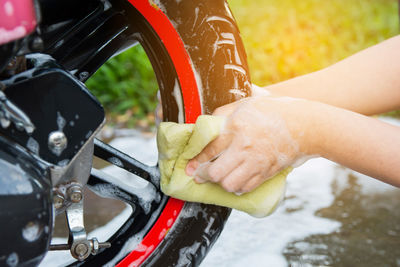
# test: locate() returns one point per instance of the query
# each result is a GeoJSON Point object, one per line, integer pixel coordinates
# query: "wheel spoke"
{"type": "Point", "coordinates": [108, 186]}
{"type": "Point", "coordinates": [122, 160]}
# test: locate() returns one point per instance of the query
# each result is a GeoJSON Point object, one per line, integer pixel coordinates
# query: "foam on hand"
{"type": "Point", "coordinates": [178, 143]}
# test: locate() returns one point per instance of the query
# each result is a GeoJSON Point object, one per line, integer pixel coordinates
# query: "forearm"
{"type": "Point", "coordinates": [359, 142]}
{"type": "Point", "coordinates": [367, 82]}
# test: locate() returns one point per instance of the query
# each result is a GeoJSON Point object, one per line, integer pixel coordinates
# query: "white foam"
{"type": "Point", "coordinates": [178, 98]}
{"type": "Point", "coordinates": [247, 241]}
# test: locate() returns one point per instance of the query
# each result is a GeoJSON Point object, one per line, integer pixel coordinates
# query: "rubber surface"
{"type": "Point", "coordinates": [209, 34]}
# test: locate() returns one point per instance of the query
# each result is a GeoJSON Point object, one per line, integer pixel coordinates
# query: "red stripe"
{"type": "Point", "coordinates": [191, 100]}
{"type": "Point", "coordinates": [176, 49]}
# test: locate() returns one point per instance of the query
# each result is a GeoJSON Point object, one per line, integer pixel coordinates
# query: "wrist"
{"type": "Point", "coordinates": [310, 126]}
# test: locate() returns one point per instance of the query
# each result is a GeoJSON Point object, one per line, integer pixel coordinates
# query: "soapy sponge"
{"type": "Point", "coordinates": [178, 143]}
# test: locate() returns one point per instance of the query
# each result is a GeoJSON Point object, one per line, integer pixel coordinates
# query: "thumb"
{"type": "Point", "coordinates": [209, 153]}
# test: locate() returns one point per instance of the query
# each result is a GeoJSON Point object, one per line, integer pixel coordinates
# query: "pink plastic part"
{"type": "Point", "coordinates": [17, 19]}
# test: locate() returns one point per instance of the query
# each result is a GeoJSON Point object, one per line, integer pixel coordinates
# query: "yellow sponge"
{"type": "Point", "coordinates": [178, 143]}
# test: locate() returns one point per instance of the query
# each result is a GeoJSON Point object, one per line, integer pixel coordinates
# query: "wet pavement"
{"type": "Point", "coordinates": [369, 234]}
{"type": "Point", "coordinates": [331, 216]}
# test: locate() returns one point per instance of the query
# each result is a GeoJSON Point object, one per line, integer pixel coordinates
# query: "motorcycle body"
{"type": "Point", "coordinates": [49, 121]}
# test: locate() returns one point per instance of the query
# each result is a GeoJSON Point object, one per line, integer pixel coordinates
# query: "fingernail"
{"type": "Point", "coordinates": [190, 169]}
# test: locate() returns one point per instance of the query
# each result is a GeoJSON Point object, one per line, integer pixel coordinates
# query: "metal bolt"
{"type": "Point", "coordinates": [83, 76]}
{"type": "Point", "coordinates": [75, 193]}
{"type": "Point", "coordinates": [81, 249]}
{"type": "Point", "coordinates": [57, 142]}
{"type": "Point", "coordinates": [96, 245]}
{"type": "Point", "coordinates": [58, 201]}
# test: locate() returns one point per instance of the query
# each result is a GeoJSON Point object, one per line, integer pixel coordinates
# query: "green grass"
{"type": "Point", "coordinates": [283, 39]}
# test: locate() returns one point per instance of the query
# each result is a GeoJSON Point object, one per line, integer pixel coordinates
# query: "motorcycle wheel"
{"type": "Point", "coordinates": [200, 64]}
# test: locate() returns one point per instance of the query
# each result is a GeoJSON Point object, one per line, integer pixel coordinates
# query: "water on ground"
{"type": "Point", "coordinates": [331, 216]}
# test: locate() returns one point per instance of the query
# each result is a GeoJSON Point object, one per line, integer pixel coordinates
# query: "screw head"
{"type": "Point", "coordinates": [57, 142]}
{"type": "Point", "coordinates": [75, 193]}
{"type": "Point", "coordinates": [58, 201]}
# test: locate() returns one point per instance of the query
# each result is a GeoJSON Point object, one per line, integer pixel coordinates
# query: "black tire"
{"type": "Point", "coordinates": [200, 25]}
{"type": "Point", "coordinates": [216, 53]}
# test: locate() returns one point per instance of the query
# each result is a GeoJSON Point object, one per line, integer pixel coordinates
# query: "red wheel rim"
{"type": "Point", "coordinates": [192, 103]}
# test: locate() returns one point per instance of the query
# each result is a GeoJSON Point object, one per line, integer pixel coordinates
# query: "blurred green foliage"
{"type": "Point", "coordinates": [126, 84]}
{"type": "Point", "coordinates": [287, 38]}
{"type": "Point", "coordinates": [283, 39]}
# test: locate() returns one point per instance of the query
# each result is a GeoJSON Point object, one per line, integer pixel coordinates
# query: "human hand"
{"type": "Point", "coordinates": [262, 136]}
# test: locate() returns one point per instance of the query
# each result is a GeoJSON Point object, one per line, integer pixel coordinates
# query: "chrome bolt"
{"type": "Point", "coordinates": [96, 245]}
{"type": "Point", "coordinates": [57, 142]}
{"type": "Point", "coordinates": [81, 250]}
{"type": "Point", "coordinates": [75, 193]}
{"type": "Point", "coordinates": [58, 201]}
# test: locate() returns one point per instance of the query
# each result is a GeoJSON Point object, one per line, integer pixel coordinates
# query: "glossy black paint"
{"type": "Point", "coordinates": [137, 223]}
{"type": "Point", "coordinates": [91, 32]}
{"type": "Point", "coordinates": [136, 29]}
{"type": "Point", "coordinates": [112, 155]}
{"type": "Point", "coordinates": [26, 213]}
{"type": "Point", "coordinates": [127, 26]}
{"type": "Point", "coordinates": [89, 40]}
{"type": "Point", "coordinates": [54, 101]}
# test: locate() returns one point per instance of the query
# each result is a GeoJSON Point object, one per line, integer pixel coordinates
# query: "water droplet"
{"type": "Point", "coordinates": [60, 121]}
{"type": "Point", "coordinates": [12, 259]}
{"type": "Point", "coordinates": [31, 231]}
{"type": "Point", "coordinates": [116, 161]}
{"type": "Point", "coordinates": [33, 145]}
{"type": "Point", "coordinates": [4, 122]}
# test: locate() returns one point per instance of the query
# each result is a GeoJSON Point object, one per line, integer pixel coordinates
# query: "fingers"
{"type": "Point", "coordinates": [260, 178]}
{"type": "Point", "coordinates": [235, 181]}
{"type": "Point", "coordinates": [201, 173]}
{"type": "Point", "coordinates": [252, 184]}
{"type": "Point", "coordinates": [211, 151]}
{"type": "Point", "coordinates": [216, 170]}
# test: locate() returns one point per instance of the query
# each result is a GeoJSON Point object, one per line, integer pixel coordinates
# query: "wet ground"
{"type": "Point", "coordinates": [339, 218]}
{"type": "Point", "coordinates": [369, 234]}
{"type": "Point", "coordinates": [331, 216]}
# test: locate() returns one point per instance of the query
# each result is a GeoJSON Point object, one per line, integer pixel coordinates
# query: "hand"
{"type": "Point", "coordinates": [262, 136]}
